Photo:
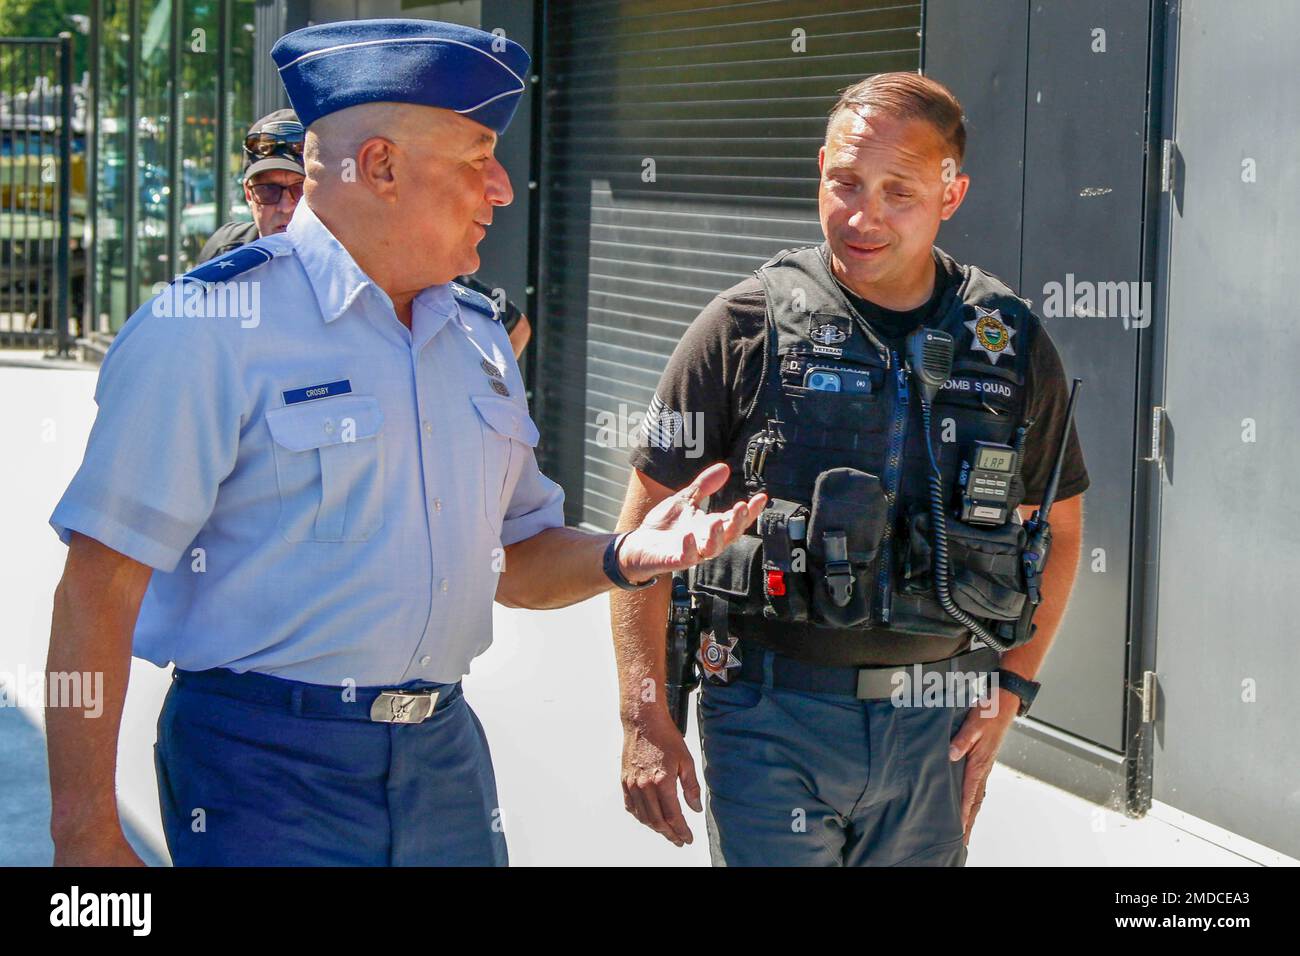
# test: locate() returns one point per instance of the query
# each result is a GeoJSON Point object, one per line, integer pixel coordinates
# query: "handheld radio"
{"type": "Point", "coordinates": [984, 484]}
{"type": "Point", "coordinates": [929, 357]}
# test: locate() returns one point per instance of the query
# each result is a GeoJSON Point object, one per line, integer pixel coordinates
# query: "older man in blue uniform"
{"type": "Point", "coordinates": [311, 473]}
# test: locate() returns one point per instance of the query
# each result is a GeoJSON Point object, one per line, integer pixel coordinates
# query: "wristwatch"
{"type": "Point", "coordinates": [1022, 687]}
{"type": "Point", "coordinates": [612, 570]}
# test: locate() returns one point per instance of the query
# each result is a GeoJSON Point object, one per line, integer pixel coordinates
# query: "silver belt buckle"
{"type": "Point", "coordinates": [404, 706]}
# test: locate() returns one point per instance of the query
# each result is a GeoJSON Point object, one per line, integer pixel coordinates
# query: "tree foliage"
{"type": "Point", "coordinates": [41, 18]}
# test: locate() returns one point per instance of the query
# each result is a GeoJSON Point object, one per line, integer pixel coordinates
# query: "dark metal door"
{"type": "Point", "coordinates": [36, 191]}
{"type": "Point", "coordinates": [1056, 103]}
{"type": "Point", "coordinates": [1225, 748]}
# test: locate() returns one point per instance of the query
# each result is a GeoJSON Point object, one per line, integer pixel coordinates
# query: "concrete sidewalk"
{"type": "Point", "coordinates": [546, 695]}
{"type": "Point", "coordinates": [25, 799]}
{"type": "Point", "coordinates": [545, 692]}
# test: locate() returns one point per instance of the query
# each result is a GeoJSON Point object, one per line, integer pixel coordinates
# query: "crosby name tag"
{"type": "Point", "coordinates": [295, 396]}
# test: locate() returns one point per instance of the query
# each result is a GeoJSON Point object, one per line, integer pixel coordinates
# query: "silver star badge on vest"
{"type": "Point", "coordinates": [990, 334]}
{"type": "Point", "coordinates": [717, 660]}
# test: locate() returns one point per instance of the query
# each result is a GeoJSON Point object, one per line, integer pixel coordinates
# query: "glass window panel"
{"type": "Point", "coordinates": [242, 51]}
{"type": "Point", "coordinates": [111, 193]}
{"type": "Point", "coordinates": [153, 142]}
{"type": "Point", "coordinates": [200, 151]}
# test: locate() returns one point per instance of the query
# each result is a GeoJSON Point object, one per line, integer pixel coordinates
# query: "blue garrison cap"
{"type": "Point", "coordinates": [332, 66]}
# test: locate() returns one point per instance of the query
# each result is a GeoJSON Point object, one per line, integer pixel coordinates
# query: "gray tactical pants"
{"type": "Point", "coordinates": [809, 779]}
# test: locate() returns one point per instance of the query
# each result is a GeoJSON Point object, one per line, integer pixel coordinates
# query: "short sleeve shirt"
{"type": "Point", "coordinates": [324, 495]}
{"type": "Point", "coordinates": [716, 367]}
{"type": "Point", "coordinates": [712, 382]}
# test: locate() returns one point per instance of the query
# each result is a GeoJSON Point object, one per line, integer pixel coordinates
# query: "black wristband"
{"type": "Point", "coordinates": [611, 567]}
{"type": "Point", "coordinates": [1022, 687]}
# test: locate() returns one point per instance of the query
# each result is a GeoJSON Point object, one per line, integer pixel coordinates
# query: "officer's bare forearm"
{"type": "Point", "coordinates": [95, 609]}
{"type": "Point", "coordinates": [1058, 581]}
{"type": "Point", "coordinates": [554, 568]}
{"type": "Point", "coordinates": [639, 619]}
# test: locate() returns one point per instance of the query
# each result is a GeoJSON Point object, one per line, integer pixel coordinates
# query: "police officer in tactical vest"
{"type": "Point", "coordinates": [865, 647]}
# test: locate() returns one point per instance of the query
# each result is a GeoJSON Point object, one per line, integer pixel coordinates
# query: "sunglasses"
{"type": "Point", "coordinates": [266, 143]}
{"type": "Point", "coordinates": [268, 194]}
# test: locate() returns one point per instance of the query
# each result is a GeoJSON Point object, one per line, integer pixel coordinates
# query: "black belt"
{"type": "Point", "coordinates": [410, 703]}
{"type": "Point", "coordinates": [865, 683]}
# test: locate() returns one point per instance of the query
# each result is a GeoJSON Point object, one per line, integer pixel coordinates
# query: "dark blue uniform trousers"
{"type": "Point", "coordinates": [816, 779]}
{"type": "Point", "coordinates": [254, 770]}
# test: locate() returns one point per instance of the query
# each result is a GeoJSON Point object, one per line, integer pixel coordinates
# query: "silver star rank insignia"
{"type": "Point", "coordinates": [990, 334]}
{"type": "Point", "coordinates": [717, 659]}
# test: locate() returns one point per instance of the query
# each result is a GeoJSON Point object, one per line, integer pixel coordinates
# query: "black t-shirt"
{"type": "Point", "coordinates": [715, 370]}
{"type": "Point", "coordinates": [230, 236]}
{"type": "Point", "coordinates": [891, 326]}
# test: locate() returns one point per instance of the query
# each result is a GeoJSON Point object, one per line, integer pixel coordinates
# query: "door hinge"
{"type": "Point", "coordinates": [1158, 417]}
{"type": "Point", "coordinates": [1168, 165]}
{"type": "Point", "coordinates": [1148, 693]}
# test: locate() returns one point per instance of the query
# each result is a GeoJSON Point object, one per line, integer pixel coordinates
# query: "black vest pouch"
{"type": "Point", "coordinates": [849, 512]}
{"type": "Point", "coordinates": [736, 575]}
{"type": "Point", "coordinates": [983, 568]}
{"type": "Point", "coordinates": [986, 576]}
{"type": "Point", "coordinates": [916, 610]}
{"type": "Point", "coordinates": [783, 527]}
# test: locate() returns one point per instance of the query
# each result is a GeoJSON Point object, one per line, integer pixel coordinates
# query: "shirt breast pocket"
{"type": "Point", "coordinates": [329, 465]}
{"type": "Point", "coordinates": [508, 433]}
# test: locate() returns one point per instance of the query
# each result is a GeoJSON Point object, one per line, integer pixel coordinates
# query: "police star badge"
{"type": "Point", "coordinates": [990, 334]}
{"type": "Point", "coordinates": [717, 659]}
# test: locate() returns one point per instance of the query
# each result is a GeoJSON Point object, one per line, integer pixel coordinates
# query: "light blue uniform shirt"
{"type": "Point", "coordinates": [324, 494]}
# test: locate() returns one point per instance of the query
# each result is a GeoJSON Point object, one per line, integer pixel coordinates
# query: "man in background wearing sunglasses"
{"type": "Point", "coordinates": [273, 177]}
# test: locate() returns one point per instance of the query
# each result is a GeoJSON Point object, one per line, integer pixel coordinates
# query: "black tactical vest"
{"type": "Point", "coordinates": [847, 470]}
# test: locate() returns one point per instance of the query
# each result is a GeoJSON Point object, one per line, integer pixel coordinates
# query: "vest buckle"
{"type": "Point", "coordinates": [839, 572]}
{"type": "Point", "coordinates": [756, 454]}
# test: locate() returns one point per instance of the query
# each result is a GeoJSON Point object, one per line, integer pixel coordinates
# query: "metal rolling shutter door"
{"type": "Point", "coordinates": [732, 116]}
